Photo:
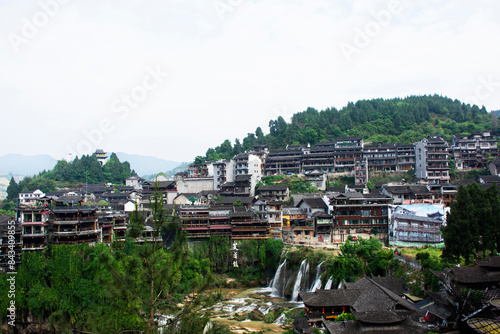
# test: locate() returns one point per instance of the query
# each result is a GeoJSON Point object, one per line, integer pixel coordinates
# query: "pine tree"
{"type": "Point", "coordinates": [461, 234]}
{"type": "Point", "coordinates": [12, 190]}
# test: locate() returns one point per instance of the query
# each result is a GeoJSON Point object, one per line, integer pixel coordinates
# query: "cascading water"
{"type": "Point", "coordinates": [328, 284]}
{"type": "Point", "coordinates": [303, 272]}
{"type": "Point", "coordinates": [278, 284]}
{"type": "Point", "coordinates": [317, 281]}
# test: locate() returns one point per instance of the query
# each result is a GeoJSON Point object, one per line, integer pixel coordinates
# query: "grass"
{"type": "Point", "coordinates": [412, 252]}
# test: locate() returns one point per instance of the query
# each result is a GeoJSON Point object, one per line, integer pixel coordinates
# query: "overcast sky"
{"type": "Point", "coordinates": [173, 78]}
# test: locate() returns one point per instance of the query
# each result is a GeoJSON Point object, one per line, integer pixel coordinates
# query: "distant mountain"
{"type": "Point", "coordinates": [26, 164]}
{"type": "Point", "coordinates": [147, 165]}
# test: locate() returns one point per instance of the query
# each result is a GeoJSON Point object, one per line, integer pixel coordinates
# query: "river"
{"type": "Point", "coordinates": [242, 304]}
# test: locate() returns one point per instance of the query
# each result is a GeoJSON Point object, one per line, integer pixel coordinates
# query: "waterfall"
{"type": "Point", "coordinates": [277, 284]}
{"type": "Point", "coordinates": [317, 281]}
{"type": "Point", "coordinates": [303, 271]}
{"type": "Point", "coordinates": [281, 319]}
{"type": "Point", "coordinates": [328, 284]}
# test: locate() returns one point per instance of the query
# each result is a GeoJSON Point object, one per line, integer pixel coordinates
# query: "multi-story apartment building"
{"type": "Point", "coordinates": [195, 220]}
{"type": "Point", "coordinates": [405, 157]}
{"type": "Point", "coordinates": [271, 211]}
{"type": "Point", "coordinates": [246, 225]}
{"type": "Point", "coordinates": [261, 151]}
{"type": "Point", "coordinates": [320, 158]}
{"type": "Point", "coordinates": [381, 157]}
{"type": "Point", "coordinates": [35, 227]}
{"type": "Point", "coordinates": [220, 220]}
{"type": "Point", "coordinates": [30, 197]}
{"type": "Point", "coordinates": [359, 215]}
{"type": "Point", "coordinates": [75, 224]}
{"type": "Point", "coordinates": [473, 151]}
{"type": "Point", "coordinates": [348, 150]}
{"type": "Point", "coordinates": [223, 172]}
{"type": "Point", "coordinates": [361, 172]}
{"type": "Point", "coordinates": [280, 162]}
{"type": "Point", "coordinates": [113, 227]}
{"type": "Point", "coordinates": [407, 228]}
{"type": "Point", "coordinates": [247, 165]}
{"type": "Point", "coordinates": [431, 160]}
{"type": "Point", "coordinates": [279, 193]}
{"type": "Point", "coordinates": [197, 170]}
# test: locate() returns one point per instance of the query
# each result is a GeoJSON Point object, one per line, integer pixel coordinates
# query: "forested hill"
{"type": "Point", "coordinates": [67, 174]}
{"type": "Point", "coordinates": [397, 120]}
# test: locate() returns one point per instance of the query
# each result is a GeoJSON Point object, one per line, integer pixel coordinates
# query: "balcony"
{"type": "Point", "coordinates": [30, 247]}
{"type": "Point", "coordinates": [34, 234]}
{"type": "Point", "coordinates": [436, 239]}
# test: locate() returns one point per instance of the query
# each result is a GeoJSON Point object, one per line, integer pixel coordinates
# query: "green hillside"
{"type": "Point", "coordinates": [398, 120]}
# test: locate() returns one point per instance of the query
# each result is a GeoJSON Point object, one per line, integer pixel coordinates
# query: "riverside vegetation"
{"type": "Point", "coordinates": [133, 287]}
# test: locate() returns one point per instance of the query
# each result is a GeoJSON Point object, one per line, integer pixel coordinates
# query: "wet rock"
{"type": "Point", "coordinates": [256, 315]}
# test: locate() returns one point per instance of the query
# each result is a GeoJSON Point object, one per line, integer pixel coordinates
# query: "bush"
{"type": "Point", "coordinates": [345, 317]}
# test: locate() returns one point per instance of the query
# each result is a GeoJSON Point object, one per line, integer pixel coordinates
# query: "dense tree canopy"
{"type": "Point", "coordinates": [473, 224]}
{"type": "Point", "coordinates": [80, 170]}
{"type": "Point", "coordinates": [399, 120]}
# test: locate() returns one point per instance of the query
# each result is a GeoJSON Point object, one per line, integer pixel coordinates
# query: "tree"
{"type": "Point", "coordinates": [461, 233]}
{"type": "Point", "coordinates": [199, 160]}
{"type": "Point", "coordinates": [12, 190]}
{"type": "Point", "coordinates": [149, 275]}
{"type": "Point", "coordinates": [259, 134]}
{"type": "Point", "coordinates": [219, 251]}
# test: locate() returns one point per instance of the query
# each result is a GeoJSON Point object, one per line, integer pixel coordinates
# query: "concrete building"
{"type": "Point", "coordinates": [223, 171]}
{"type": "Point", "coordinates": [431, 160]}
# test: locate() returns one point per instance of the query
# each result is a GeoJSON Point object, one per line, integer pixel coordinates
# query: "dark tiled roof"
{"type": "Point", "coordinates": [74, 209]}
{"type": "Point", "coordinates": [395, 285]}
{"type": "Point", "coordinates": [348, 195]}
{"type": "Point", "coordinates": [187, 195]}
{"type": "Point", "coordinates": [342, 327]}
{"type": "Point", "coordinates": [336, 189]}
{"type": "Point", "coordinates": [242, 178]}
{"type": "Point", "coordinates": [330, 298]}
{"type": "Point", "coordinates": [490, 178]}
{"type": "Point", "coordinates": [231, 200]}
{"type": "Point", "coordinates": [4, 225]}
{"type": "Point", "coordinates": [419, 189]}
{"type": "Point", "coordinates": [376, 297]}
{"type": "Point", "coordinates": [492, 262]}
{"type": "Point", "coordinates": [496, 162]}
{"type": "Point", "coordinates": [355, 327]}
{"type": "Point", "coordinates": [69, 199]}
{"type": "Point", "coordinates": [379, 317]}
{"type": "Point", "coordinates": [440, 311]}
{"type": "Point", "coordinates": [397, 189]}
{"type": "Point", "coordinates": [472, 275]}
{"type": "Point", "coordinates": [317, 203]}
{"type": "Point", "coordinates": [322, 215]}
{"type": "Point", "coordinates": [271, 188]}
{"type": "Point", "coordinates": [242, 214]}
